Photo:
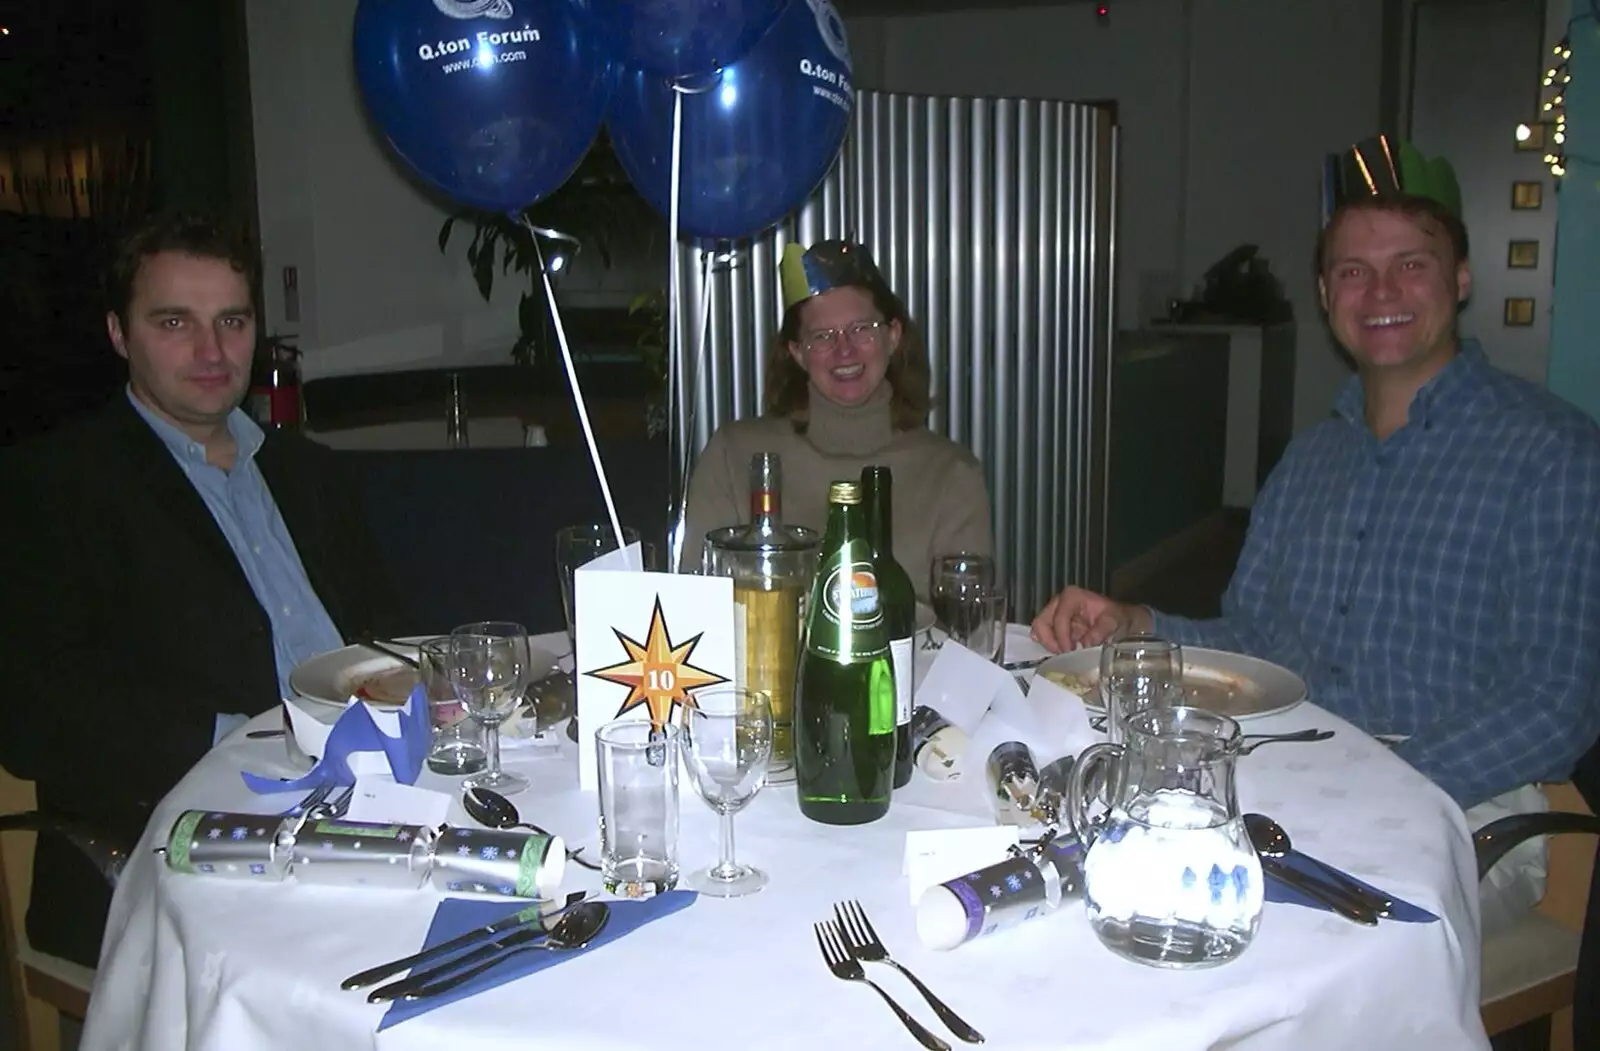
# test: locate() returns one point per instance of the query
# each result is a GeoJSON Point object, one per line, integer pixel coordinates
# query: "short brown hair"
{"type": "Point", "coordinates": [1420, 210]}
{"type": "Point", "coordinates": [185, 234]}
{"type": "Point", "coordinates": [788, 388]}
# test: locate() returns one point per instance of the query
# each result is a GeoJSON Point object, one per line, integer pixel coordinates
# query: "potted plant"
{"type": "Point", "coordinates": [596, 206]}
{"type": "Point", "coordinates": [649, 312]}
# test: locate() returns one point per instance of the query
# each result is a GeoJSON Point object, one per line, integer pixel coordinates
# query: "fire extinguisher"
{"type": "Point", "coordinates": [275, 399]}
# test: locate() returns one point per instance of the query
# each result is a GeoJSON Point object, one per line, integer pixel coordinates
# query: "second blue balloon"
{"type": "Point", "coordinates": [757, 138]}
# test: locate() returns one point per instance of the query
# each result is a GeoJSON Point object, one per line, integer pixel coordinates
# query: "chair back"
{"type": "Point", "coordinates": [1530, 971]}
{"type": "Point", "coordinates": [37, 1026]}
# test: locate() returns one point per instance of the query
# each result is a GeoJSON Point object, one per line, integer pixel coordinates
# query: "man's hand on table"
{"type": "Point", "coordinates": [1077, 618]}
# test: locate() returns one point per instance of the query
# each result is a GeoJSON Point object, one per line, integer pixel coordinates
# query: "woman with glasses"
{"type": "Point", "coordinates": [846, 386]}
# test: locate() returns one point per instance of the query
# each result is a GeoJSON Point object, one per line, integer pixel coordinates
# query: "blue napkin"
{"type": "Point", "coordinates": [356, 731]}
{"type": "Point", "coordinates": [457, 916]}
{"type": "Point", "coordinates": [1403, 911]}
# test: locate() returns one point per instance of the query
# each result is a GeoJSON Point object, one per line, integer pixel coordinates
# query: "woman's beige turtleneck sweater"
{"type": "Point", "coordinates": [941, 502]}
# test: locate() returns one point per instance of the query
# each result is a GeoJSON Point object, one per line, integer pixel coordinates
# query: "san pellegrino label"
{"type": "Point", "coordinates": [852, 612]}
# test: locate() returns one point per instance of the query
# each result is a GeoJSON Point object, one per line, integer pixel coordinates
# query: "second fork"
{"type": "Point", "coordinates": [866, 946]}
{"type": "Point", "coordinates": [846, 967]}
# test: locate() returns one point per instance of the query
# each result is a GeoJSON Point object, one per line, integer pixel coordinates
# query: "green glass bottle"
{"type": "Point", "coordinates": [899, 601]}
{"type": "Point", "coordinates": [844, 725]}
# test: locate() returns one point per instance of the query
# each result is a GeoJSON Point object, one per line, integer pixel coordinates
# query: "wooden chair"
{"type": "Point", "coordinates": [1529, 971]}
{"type": "Point", "coordinates": [43, 988]}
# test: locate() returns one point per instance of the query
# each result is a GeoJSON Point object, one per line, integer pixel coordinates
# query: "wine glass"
{"type": "Point", "coordinates": [969, 603]}
{"type": "Point", "coordinates": [489, 672]}
{"type": "Point", "coordinates": [577, 545]}
{"type": "Point", "coordinates": [726, 739]}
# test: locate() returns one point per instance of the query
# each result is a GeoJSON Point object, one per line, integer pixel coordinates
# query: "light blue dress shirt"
{"type": "Point", "coordinates": [245, 511]}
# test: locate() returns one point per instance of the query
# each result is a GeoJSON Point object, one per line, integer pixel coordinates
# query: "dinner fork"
{"type": "Point", "coordinates": [847, 968]}
{"type": "Point", "coordinates": [866, 946]}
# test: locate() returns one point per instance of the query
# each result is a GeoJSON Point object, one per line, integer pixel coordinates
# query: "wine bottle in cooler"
{"type": "Point", "coordinates": [773, 566]}
{"type": "Point", "coordinates": [844, 727]}
{"type": "Point", "coordinates": [899, 601]}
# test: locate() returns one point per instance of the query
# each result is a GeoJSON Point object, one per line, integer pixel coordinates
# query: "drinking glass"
{"type": "Point", "coordinates": [969, 604]}
{"type": "Point", "coordinates": [457, 743]}
{"type": "Point", "coordinates": [1137, 672]}
{"type": "Point", "coordinates": [726, 740]}
{"type": "Point", "coordinates": [489, 670]}
{"type": "Point", "coordinates": [578, 545]}
{"type": "Point", "coordinates": [638, 767]}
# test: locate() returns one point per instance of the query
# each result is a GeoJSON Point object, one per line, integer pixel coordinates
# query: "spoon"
{"type": "Point", "coordinates": [490, 808]}
{"type": "Point", "coordinates": [1271, 841]}
{"type": "Point", "coordinates": [1250, 742]}
{"type": "Point", "coordinates": [575, 930]}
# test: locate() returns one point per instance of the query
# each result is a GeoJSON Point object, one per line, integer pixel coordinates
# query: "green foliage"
{"type": "Point", "coordinates": [597, 205]}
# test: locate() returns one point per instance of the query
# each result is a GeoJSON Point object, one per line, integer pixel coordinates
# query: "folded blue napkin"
{"type": "Point", "coordinates": [356, 731]}
{"type": "Point", "coordinates": [457, 916]}
{"type": "Point", "coordinates": [1403, 911]}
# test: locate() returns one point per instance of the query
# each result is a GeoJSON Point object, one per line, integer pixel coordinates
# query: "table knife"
{"type": "Point", "coordinates": [416, 981]}
{"type": "Point", "coordinates": [1378, 903]}
{"type": "Point", "coordinates": [530, 916]}
{"type": "Point", "coordinates": [1319, 891]}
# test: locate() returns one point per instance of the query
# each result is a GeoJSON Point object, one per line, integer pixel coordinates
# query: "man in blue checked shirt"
{"type": "Point", "coordinates": [1428, 557]}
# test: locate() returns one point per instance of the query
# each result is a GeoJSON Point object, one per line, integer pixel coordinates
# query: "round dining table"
{"type": "Point", "coordinates": [212, 964]}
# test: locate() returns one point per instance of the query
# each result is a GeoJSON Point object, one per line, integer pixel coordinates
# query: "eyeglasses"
{"type": "Point", "coordinates": [861, 335]}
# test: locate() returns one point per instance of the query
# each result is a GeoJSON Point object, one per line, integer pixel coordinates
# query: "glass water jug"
{"type": "Point", "coordinates": [1170, 878]}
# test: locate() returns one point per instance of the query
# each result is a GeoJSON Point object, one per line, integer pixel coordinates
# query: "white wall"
{"type": "Point", "coordinates": [1227, 107]}
{"type": "Point", "coordinates": [1061, 53]}
{"type": "Point", "coordinates": [375, 291]}
{"type": "Point", "coordinates": [1477, 64]}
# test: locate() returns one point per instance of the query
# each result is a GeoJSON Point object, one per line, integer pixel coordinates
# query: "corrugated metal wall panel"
{"type": "Point", "coordinates": [994, 219]}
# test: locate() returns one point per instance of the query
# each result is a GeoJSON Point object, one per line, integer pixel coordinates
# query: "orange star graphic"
{"type": "Point", "coordinates": [657, 673]}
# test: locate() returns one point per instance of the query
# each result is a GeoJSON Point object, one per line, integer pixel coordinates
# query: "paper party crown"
{"type": "Point", "coordinates": [807, 272]}
{"type": "Point", "coordinates": [1385, 167]}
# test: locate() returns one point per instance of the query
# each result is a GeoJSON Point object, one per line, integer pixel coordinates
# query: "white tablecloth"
{"type": "Point", "coordinates": [214, 964]}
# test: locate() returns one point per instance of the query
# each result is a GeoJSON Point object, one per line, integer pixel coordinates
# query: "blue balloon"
{"type": "Point", "coordinates": [493, 102]}
{"type": "Point", "coordinates": [758, 142]}
{"type": "Point", "coordinates": [679, 38]}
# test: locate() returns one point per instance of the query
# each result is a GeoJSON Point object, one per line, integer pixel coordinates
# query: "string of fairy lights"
{"type": "Point", "coordinates": [1552, 115]}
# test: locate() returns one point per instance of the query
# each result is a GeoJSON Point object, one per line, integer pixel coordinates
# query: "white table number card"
{"type": "Point", "coordinates": [645, 642]}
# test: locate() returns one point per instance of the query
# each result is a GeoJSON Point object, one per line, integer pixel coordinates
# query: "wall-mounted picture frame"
{"type": "Point", "coordinates": [1527, 196]}
{"type": "Point", "coordinates": [1522, 255]}
{"type": "Point", "coordinates": [1535, 139]}
{"type": "Point", "coordinates": [1519, 312]}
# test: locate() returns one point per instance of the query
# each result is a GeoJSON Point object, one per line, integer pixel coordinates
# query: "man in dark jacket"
{"type": "Point", "coordinates": [165, 565]}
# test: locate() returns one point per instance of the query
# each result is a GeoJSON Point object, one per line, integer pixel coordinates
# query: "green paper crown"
{"type": "Point", "coordinates": [1385, 167]}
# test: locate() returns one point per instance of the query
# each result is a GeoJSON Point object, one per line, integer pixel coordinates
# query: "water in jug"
{"type": "Point", "coordinates": [1170, 878]}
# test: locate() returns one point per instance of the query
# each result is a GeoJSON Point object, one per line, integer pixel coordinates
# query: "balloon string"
{"type": "Point", "coordinates": [577, 393]}
{"type": "Point", "coordinates": [675, 383]}
{"type": "Point", "coordinates": [697, 364]}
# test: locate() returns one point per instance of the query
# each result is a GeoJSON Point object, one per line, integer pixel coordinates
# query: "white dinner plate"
{"type": "Point", "coordinates": [332, 678]}
{"type": "Point", "coordinates": [1229, 684]}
